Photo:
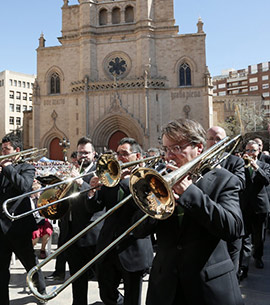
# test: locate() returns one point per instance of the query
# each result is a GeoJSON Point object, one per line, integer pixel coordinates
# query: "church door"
{"type": "Point", "coordinates": [56, 152]}
{"type": "Point", "coordinates": [115, 138]}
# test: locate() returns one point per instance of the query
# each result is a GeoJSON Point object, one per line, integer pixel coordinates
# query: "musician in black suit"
{"type": "Point", "coordinates": [192, 265]}
{"type": "Point", "coordinates": [235, 165]}
{"type": "Point", "coordinates": [131, 257]}
{"type": "Point", "coordinates": [77, 218]}
{"type": "Point", "coordinates": [255, 206]}
{"type": "Point", "coordinates": [16, 236]}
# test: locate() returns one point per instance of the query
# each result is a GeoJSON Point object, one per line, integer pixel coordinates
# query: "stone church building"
{"type": "Point", "coordinates": [121, 69]}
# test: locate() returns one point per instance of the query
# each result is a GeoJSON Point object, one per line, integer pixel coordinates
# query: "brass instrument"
{"type": "Point", "coordinates": [108, 170]}
{"type": "Point", "coordinates": [247, 160]}
{"type": "Point", "coordinates": [153, 192]}
{"type": "Point", "coordinates": [25, 155]}
{"type": "Point", "coordinates": [148, 188]}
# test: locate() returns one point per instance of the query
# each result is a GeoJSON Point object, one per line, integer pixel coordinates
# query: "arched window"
{"type": "Point", "coordinates": [129, 14]}
{"type": "Point", "coordinates": [55, 83]}
{"type": "Point", "coordinates": [103, 17]}
{"type": "Point", "coordinates": [184, 75]}
{"type": "Point", "coordinates": [116, 15]}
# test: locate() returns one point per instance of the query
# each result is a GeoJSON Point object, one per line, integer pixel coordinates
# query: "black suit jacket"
{"type": "Point", "coordinates": [255, 197]}
{"type": "Point", "coordinates": [79, 216]}
{"type": "Point", "coordinates": [135, 254]}
{"type": "Point", "coordinates": [192, 261]}
{"type": "Point", "coordinates": [235, 165]}
{"type": "Point", "coordinates": [16, 180]}
{"type": "Point", "coordinates": [264, 158]}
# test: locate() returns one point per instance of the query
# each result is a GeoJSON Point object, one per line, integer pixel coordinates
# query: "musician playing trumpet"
{"type": "Point", "coordinates": [16, 236]}
{"type": "Point", "coordinates": [255, 206]}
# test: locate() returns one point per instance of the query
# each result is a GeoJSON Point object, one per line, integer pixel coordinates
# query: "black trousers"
{"type": "Point", "coordinates": [77, 257]}
{"type": "Point", "coordinates": [23, 249]}
{"type": "Point", "coordinates": [109, 273]}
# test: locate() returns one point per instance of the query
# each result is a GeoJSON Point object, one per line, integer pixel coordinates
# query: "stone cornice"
{"type": "Point", "coordinates": [125, 84]}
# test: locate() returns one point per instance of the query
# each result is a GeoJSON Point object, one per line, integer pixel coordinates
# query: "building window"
{"type": "Point", "coordinates": [11, 94]}
{"type": "Point", "coordinates": [18, 121]}
{"type": "Point", "coordinates": [30, 97]}
{"type": "Point", "coordinates": [253, 80]}
{"type": "Point", "coordinates": [18, 108]}
{"type": "Point", "coordinates": [28, 85]}
{"type": "Point", "coordinates": [24, 97]}
{"type": "Point", "coordinates": [265, 77]}
{"type": "Point", "coordinates": [11, 82]}
{"type": "Point", "coordinates": [254, 69]}
{"type": "Point", "coordinates": [184, 75]}
{"type": "Point", "coordinates": [129, 14]}
{"type": "Point", "coordinates": [15, 83]}
{"type": "Point", "coordinates": [30, 107]}
{"type": "Point", "coordinates": [265, 94]}
{"type": "Point", "coordinates": [23, 84]}
{"type": "Point", "coordinates": [220, 86]}
{"type": "Point", "coordinates": [11, 107]}
{"type": "Point", "coordinates": [18, 95]}
{"type": "Point", "coordinates": [11, 120]}
{"type": "Point", "coordinates": [253, 88]}
{"type": "Point", "coordinates": [24, 107]}
{"type": "Point", "coordinates": [19, 83]}
{"type": "Point", "coordinates": [265, 66]}
{"type": "Point", "coordinates": [116, 15]}
{"type": "Point", "coordinates": [265, 86]}
{"type": "Point", "coordinates": [55, 83]}
{"type": "Point", "coordinates": [103, 17]}
{"type": "Point", "coordinates": [222, 93]}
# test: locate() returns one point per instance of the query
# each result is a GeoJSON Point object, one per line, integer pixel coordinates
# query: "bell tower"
{"type": "Point", "coordinates": [159, 12]}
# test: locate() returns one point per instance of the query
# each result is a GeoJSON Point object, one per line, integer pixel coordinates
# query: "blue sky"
{"type": "Point", "coordinates": [237, 30]}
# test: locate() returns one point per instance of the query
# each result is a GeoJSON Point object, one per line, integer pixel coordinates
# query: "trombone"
{"type": "Point", "coordinates": [147, 186]}
{"type": "Point", "coordinates": [108, 170]}
{"type": "Point", "coordinates": [25, 155]}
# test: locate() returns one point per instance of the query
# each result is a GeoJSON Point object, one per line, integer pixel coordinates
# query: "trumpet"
{"type": "Point", "coordinates": [247, 160]}
{"type": "Point", "coordinates": [151, 192]}
{"type": "Point", "coordinates": [108, 170]}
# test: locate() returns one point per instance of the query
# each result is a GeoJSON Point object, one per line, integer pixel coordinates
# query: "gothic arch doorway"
{"type": "Point", "coordinates": [115, 138]}
{"type": "Point", "coordinates": [56, 150]}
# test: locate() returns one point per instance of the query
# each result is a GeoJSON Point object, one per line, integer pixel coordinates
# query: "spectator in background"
{"type": "Point", "coordinates": [262, 157]}
{"type": "Point", "coordinates": [45, 228]}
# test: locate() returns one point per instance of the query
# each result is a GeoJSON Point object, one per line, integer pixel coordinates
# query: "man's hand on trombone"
{"type": "Point", "coordinates": [94, 185]}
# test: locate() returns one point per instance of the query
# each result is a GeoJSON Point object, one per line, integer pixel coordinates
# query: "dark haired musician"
{"type": "Point", "coordinates": [16, 236]}
{"type": "Point", "coordinates": [192, 265]}
{"type": "Point", "coordinates": [235, 165]}
{"type": "Point", "coordinates": [255, 206]}
{"type": "Point", "coordinates": [77, 218]}
{"type": "Point", "coordinates": [132, 257]}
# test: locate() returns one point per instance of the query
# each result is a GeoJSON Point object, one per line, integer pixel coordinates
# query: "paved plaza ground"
{"type": "Point", "coordinates": [255, 289]}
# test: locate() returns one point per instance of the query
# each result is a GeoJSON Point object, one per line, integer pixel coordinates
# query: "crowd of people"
{"type": "Point", "coordinates": [198, 255]}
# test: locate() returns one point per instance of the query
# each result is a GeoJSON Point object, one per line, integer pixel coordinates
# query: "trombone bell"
{"type": "Point", "coordinates": [152, 192]}
{"type": "Point", "coordinates": [55, 211]}
{"type": "Point", "coordinates": [108, 170]}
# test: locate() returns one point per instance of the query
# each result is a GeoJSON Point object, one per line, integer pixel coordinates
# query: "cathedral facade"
{"type": "Point", "coordinates": [121, 69]}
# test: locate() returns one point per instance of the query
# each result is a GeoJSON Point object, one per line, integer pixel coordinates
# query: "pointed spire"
{"type": "Point", "coordinates": [200, 25]}
{"type": "Point", "coordinates": [42, 40]}
{"type": "Point", "coordinates": [66, 3]}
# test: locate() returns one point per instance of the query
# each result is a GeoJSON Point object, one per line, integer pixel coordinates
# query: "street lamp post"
{"type": "Point", "coordinates": [65, 144]}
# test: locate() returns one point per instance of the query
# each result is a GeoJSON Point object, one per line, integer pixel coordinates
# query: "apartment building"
{"type": "Point", "coordinates": [15, 98]}
{"type": "Point", "coordinates": [253, 80]}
